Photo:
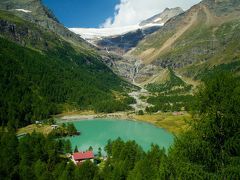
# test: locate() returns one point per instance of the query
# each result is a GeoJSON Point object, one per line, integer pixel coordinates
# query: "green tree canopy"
{"type": "Point", "coordinates": [213, 143]}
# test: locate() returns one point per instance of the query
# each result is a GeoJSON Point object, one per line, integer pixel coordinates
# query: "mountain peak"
{"type": "Point", "coordinates": [163, 17]}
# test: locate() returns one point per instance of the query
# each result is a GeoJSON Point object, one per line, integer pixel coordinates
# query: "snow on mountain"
{"type": "Point", "coordinates": [23, 10]}
{"type": "Point", "coordinates": [98, 33]}
{"type": "Point", "coordinates": [157, 20]}
{"type": "Point", "coordinates": [90, 33]}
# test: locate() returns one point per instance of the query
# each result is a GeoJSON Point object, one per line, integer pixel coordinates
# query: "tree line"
{"type": "Point", "coordinates": [171, 103]}
{"type": "Point", "coordinates": [64, 130]}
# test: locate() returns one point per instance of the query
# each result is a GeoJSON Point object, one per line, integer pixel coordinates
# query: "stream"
{"type": "Point", "coordinates": [141, 103]}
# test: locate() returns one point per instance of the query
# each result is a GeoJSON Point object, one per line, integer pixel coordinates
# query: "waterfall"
{"type": "Point", "coordinates": [135, 70]}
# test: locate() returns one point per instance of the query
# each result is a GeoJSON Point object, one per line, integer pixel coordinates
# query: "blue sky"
{"type": "Point", "coordinates": [110, 13]}
{"type": "Point", "coordinates": [82, 13]}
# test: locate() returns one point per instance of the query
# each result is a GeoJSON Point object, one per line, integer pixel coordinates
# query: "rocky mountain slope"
{"type": "Point", "coordinates": [203, 37]}
{"type": "Point", "coordinates": [35, 12]}
{"type": "Point", "coordinates": [115, 48]}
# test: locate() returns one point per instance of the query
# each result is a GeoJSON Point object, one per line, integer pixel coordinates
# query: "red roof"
{"type": "Point", "coordinates": [83, 155]}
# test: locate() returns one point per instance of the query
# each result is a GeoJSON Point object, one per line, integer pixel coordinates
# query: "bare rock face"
{"type": "Point", "coordinates": [121, 44]}
{"type": "Point", "coordinates": [130, 68]}
{"type": "Point", "coordinates": [22, 34]}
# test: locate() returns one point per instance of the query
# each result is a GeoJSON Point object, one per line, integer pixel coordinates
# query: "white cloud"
{"type": "Point", "coordinates": [107, 23]}
{"type": "Point", "coordinates": [130, 12]}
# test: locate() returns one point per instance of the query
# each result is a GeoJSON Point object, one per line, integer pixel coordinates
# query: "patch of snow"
{"type": "Point", "coordinates": [158, 19]}
{"type": "Point", "coordinates": [23, 10]}
{"type": "Point", "coordinates": [152, 24]}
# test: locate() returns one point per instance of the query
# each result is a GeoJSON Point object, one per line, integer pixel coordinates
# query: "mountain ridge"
{"type": "Point", "coordinates": [197, 36]}
{"type": "Point", "coordinates": [36, 12]}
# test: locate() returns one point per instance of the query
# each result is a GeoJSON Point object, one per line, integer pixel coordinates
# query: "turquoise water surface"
{"type": "Point", "coordinates": [97, 132]}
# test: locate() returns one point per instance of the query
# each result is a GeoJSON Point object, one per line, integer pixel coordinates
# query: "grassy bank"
{"type": "Point", "coordinates": [44, 129]}
{"type": "Point", "coordinates": [70, 113]}
{"type": "Point", "coordinates": [173, 123]}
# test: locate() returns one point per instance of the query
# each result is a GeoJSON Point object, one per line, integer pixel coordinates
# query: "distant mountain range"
{"type": "Point", "coordinates": [94, 35]}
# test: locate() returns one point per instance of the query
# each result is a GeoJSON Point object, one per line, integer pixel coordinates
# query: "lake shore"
{"type": "Point", "coordinates": [169, 121]}
{"type": "Point", "coordinates": [77, 117]}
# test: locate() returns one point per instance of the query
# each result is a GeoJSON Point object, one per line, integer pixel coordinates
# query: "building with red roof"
{"type": "Point", "coordinates": [79, 157]}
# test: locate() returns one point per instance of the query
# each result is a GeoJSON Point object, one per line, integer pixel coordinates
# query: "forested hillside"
{"type": "Point", "coordinates": [41, 74]}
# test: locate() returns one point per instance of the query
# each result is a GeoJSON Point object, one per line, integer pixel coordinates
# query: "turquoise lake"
{"type": "Point", "coordinates": [97, 132]}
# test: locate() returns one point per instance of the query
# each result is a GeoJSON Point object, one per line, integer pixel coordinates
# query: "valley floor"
{"type": "Point", "coordinates": [172, 122]}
